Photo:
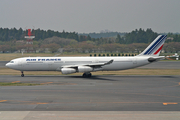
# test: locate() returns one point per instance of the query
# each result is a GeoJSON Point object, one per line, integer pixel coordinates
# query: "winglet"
{"type": "Point", "coordinates": [155, 47]}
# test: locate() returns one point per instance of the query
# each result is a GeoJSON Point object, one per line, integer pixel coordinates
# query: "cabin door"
{"type": "Point", "coordinates": [134, 60]}
{"type": "Point", "coordinates": [50, 65]}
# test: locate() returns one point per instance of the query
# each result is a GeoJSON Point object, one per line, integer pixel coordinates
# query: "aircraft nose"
{"type": "Point", "coordinates": [6, 65]}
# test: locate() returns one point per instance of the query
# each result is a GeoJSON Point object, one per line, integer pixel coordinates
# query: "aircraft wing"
{"type": "Point", "coordinates": [90, 65]}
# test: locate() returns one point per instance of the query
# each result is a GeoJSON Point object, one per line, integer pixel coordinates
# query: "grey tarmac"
{"type": "Point", "coordinates": [163, 65]}
{"type": "Point", "coordinates": [99, 93]}
{"type": "Point", "coordinates": [89, 115]}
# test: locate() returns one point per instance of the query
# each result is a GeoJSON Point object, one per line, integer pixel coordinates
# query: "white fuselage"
{"type": "Point", "coordinates": [57, 63]}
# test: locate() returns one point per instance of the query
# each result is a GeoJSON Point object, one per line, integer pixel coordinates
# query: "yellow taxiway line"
{"type": "Point", "coordinates": [3, 100]}
{"type": "Point", "coordinates": [170, 103]}
{"type": "Point", "coordinates": [15, 82]}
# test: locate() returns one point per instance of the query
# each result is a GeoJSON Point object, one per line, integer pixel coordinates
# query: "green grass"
{"type": "Point", "coordinates": [17, 84]}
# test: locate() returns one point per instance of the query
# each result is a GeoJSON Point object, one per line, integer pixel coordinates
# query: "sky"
{"type": "Point", "coordinates": [86, 16]}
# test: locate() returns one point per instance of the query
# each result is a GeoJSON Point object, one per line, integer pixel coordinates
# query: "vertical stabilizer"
{"type": "Point", "coordinates": [155, 47]}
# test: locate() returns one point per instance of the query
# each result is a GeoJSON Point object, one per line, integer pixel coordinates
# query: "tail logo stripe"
{"type": "Point", "coordinates": [151, 48]}
{"type": "Point", "coordinates": [158, 50]}
{"type": "Point", "coordinates": [153, 45]}
{"type": "Point", "coordinates": [156, 45]}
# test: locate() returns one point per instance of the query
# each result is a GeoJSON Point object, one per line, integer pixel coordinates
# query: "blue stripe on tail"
{"type": "Point", "coordinates": [155, 45]}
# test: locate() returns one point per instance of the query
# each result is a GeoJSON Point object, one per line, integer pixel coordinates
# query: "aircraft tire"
{"type": "Point", "coordinates": [87, 75]}
{"type": "Point", "coordinates": [22, 75]}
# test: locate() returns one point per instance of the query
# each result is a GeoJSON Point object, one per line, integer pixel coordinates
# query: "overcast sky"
{"type": "Point", "coordinates": [84, 16]}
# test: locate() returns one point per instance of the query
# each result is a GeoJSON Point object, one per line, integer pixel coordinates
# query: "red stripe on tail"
{"type": "Point", "coordinates": [158, 50]}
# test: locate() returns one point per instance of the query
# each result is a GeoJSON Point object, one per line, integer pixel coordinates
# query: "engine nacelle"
{"type": "Point", "coordinates": [85, 69]}
{"type": "Point", "coordinates": [68, 70]}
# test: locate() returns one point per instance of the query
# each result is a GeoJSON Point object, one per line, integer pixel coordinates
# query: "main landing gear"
{"type": "Point", "coordinates": [22, 74]}
{"type": "Point", "coordinates": [88, 74]}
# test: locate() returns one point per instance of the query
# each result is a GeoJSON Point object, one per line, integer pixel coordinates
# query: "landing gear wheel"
{"type": "Point", "coordinates": [87, 74]}
{"type": "Point", "coordinates": [22, 74]}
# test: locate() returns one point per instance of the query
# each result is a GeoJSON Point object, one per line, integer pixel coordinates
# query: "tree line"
{"type": "Point", "coordinates": [136, 41]}
{"type": "Point", "coordinates": [7, 34]}
{"type": "Point", "coordinates": [136, 36]}
{"type": "Point", "coordinates": [102, 34]}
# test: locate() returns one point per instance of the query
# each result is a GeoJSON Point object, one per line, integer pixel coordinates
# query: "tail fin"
{"type": "Point", "coordinates": [155, 47]}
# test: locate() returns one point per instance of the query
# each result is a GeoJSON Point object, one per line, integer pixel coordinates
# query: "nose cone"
{"type": "Point", "coordinates": [7, 65]}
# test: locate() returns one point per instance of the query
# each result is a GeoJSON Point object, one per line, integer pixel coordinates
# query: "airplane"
{"type": "Point", "coordinates": [173, 56]}
{"type": "Point", "coordinates": [86, 65]}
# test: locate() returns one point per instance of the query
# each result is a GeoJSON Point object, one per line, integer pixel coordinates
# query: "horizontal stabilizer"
{"type": "Point", "coordinates": [155, 59]}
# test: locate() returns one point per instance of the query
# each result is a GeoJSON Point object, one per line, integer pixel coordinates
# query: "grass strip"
{"type": "Point", "coordinates": [17, 84]}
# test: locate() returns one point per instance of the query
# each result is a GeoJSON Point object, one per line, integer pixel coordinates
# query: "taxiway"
{"type": "Point", "coordinates": [99, 93]}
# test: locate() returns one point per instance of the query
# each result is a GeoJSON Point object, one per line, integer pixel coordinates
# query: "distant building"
{"type": "Point", "coordinates": [20, 41]}
{"type": "Point", "coordinates": [170, 38]}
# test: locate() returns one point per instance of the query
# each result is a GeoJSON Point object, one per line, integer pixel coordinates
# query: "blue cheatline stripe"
{"type": "Point", "coordinates": [157, 46]}
{"type": "Point", "coordinates": [157, 43]}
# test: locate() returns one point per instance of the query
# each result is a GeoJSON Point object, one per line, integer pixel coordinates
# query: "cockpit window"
{"type": "Point", "coordinates": [11, 61]}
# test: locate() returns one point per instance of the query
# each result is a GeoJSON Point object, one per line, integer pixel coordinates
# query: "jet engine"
{"type": "Point", "coordinates": [68, 70]}
{"type": "Point", "coordinates": [85, 69]}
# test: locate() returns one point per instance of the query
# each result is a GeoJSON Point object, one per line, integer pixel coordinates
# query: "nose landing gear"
{"type": "Point", "coordinates": [22, 74]}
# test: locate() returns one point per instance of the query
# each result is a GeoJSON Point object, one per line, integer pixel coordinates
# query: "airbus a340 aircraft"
{"type": "Point", "coordinates": [68, 65]}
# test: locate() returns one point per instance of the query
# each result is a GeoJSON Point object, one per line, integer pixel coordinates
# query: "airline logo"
{"type": "Point", "coordinates": [43, 59]}
{"type": "Point", "coordinates": [157, 46]}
